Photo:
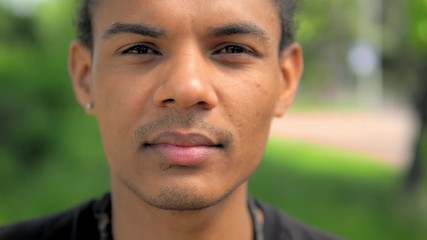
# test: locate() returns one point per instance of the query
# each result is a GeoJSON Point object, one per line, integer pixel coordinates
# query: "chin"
{"type": "Point", "coordinates": [182, 197]}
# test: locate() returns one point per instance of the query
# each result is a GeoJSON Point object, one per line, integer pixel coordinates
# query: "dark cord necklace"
{"type": "Point", "coordinates": [105, 228]}
{"type": "Point", "coordinates": [258, 231]}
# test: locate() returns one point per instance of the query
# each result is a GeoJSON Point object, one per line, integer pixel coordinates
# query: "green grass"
{"type": "Point", "coordinates": [348, 194]}
{"type": "Point", "coordinates": [345, 193]}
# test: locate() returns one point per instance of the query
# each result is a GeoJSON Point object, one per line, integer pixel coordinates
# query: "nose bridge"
{"type": "Point", "coordinates": [186, 80]}
{"type": "Point", "coordinates": [187, 66]}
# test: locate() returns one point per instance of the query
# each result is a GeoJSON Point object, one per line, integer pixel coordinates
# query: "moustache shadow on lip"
{"type": "Point", "coordinates": [175, 120]}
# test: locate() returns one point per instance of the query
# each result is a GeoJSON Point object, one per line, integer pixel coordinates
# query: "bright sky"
{"type": "Point", "coordinates": [22, 7]}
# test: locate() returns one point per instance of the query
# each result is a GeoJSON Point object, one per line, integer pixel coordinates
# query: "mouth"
{"type": "Point", "coordinates": [183, 149]}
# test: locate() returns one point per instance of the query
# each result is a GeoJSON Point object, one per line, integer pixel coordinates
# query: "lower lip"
{"type": "Point", "coordinates": [184, 155]}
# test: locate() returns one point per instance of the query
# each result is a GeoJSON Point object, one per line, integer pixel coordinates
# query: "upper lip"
{"type": "Point", "coordinates": [182, 139]}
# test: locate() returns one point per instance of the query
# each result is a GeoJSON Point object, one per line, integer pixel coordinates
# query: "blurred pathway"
{"type": "Point", "coordinates": [387, 134]}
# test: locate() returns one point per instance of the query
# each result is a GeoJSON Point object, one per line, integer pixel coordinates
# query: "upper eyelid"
{"type": "Point", "coordinates": [147, 45]}
{"type": "Point", "coordinates": [220, 47]}
{"type": "Point", "coordinates": [247, 49]}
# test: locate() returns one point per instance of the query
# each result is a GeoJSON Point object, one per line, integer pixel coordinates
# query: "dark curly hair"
{"type": "Point", "coordinates": [287, 11]}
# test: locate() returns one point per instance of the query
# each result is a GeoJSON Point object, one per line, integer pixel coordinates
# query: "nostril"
{"type": "Point", "coordinates": [202, 103]}
{"type": "Point", "coordinates": [167, 102]}
{"type": "Point", "coordinates": [174, 94]}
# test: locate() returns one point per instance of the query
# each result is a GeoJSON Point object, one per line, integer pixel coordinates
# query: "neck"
{"type": "Point", "coordinates": [134, 219]}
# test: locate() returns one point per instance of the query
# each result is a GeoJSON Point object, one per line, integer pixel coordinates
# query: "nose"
{"type": "Point", "coordinates": [186, 83]}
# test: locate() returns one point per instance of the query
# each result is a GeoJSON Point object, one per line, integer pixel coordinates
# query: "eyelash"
{"type": "Point", "coordinates": [233, 49]}
{"type": "Point", "coordinates": [140, 49]}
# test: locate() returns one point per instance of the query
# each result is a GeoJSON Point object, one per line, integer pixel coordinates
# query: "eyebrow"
{"type": "Point", "coordinates": [130, 28]}
{"type": "Point", "coordinates": [239, 28]}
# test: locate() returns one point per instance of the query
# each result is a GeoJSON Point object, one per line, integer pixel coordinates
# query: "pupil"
{"type": "Point", "coordinates": [141, 49]}
{"type": "Point", "coordinates": [234, 49]}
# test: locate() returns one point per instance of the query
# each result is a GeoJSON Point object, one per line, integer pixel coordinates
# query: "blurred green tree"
{"type": "Point", "coordinates": [33, 92]}
{"type": "Point", "coordinates": [416, 178]}
{"type": "Point", "coordinates": [326, 30]}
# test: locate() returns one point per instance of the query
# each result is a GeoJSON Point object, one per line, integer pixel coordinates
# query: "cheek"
{"type": "Point", "coordinates": [121, 94]}
{"type": "Point", "coordinates": [255, 101]}
{"type": "Point", "coordinates": [251, 112]}
{"type": "Point", "coordinates": [120, 102]}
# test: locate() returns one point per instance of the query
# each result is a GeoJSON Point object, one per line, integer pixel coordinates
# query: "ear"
{"type": "Point", "coordinates": [79, 66]}
{"type": "Point", "coordinates": [291, 67]}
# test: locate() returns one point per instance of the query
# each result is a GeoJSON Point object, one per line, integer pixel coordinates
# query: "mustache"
{"type": "Point", "coordinates": [176, 120]}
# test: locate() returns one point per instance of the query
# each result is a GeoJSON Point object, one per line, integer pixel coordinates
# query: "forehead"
{"type": "Point", "coordinates": [190, 15]}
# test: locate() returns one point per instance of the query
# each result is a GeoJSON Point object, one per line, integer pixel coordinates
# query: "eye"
{"type": "Point", "coordinates": [140, 49]}
{"type": "Point", "coordinates": [234, 49]}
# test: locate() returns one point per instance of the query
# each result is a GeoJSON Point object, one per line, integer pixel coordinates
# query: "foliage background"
{"type": "Point", "coordinates": [51, 157]}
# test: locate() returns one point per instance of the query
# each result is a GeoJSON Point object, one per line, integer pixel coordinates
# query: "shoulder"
{"type": "Point", "coordinates": [62, 226]}
{"type": "Point", "coordinates": [280, 226]}
{"type": "Point", "coordinates": [41, 228]}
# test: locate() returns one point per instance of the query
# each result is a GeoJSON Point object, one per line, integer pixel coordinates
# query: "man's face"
{"type": "Point", "coordinates": [184, 93]}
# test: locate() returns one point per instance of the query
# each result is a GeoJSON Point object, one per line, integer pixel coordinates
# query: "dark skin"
{"type": "Point", "coordinates": [184, 93]}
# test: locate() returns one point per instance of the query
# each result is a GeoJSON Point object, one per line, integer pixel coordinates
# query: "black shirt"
{"type": "Point", "coordinates": [82, 222]}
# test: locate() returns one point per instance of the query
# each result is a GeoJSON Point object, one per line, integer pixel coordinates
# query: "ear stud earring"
{"type": "Point", "coordinates": [89, 106]}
